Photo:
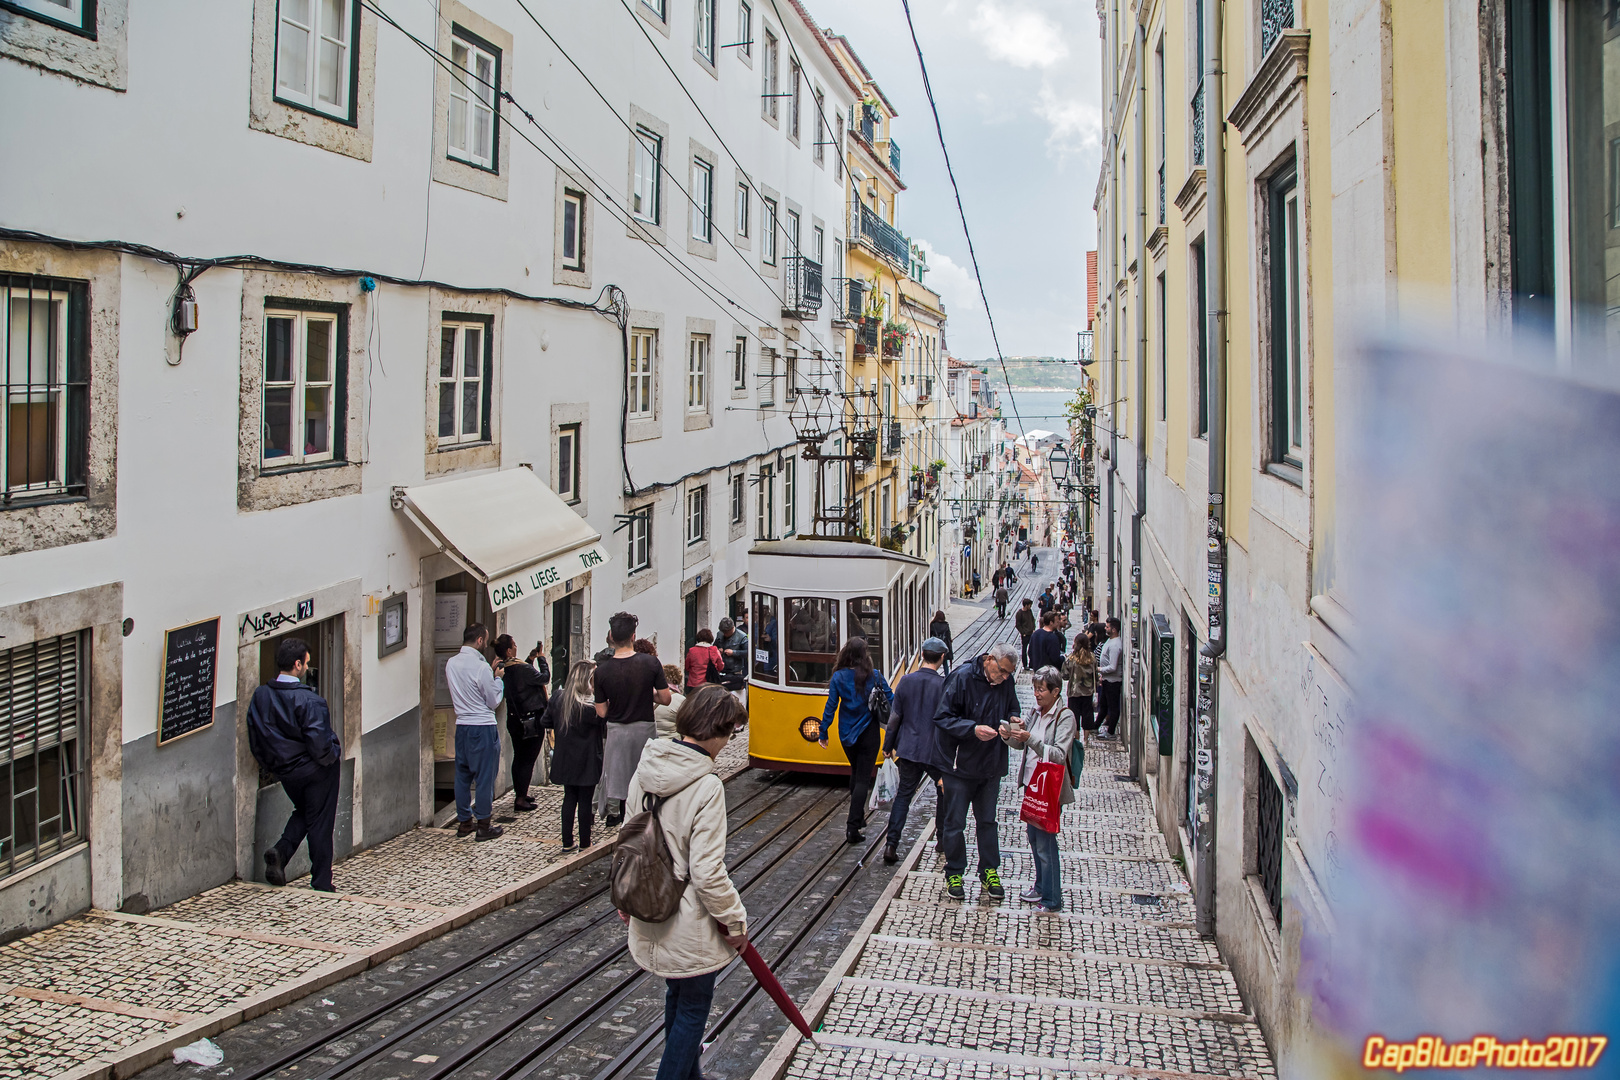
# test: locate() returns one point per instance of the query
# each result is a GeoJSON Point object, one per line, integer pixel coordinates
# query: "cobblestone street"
{"type": "Point", "coordinates": [109, 987]}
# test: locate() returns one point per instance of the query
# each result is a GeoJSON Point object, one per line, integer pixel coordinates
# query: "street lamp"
{"type": "Point", "coordinates": [1057, 460]}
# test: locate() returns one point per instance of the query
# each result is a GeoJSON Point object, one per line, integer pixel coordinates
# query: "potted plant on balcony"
{"type": "Point", "coordinates": [935, 469]}
{"type": "Point", "coordinates": [894, 338]}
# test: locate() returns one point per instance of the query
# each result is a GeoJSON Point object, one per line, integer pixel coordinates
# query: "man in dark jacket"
{"type": "Point", "coordinates": [909, 737]}
{"type": "Point", "coordinates": [1045, 644]}
{"type": "Point", "coordinates": [1024, 621]}
{"type": "Point", "coordinates": [290, 734]}
{"type": "Point", "coordinates": [976, 703]}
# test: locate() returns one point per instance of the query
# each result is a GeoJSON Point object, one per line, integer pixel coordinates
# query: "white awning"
{"type": "Point", "coordinates": [508, 529]}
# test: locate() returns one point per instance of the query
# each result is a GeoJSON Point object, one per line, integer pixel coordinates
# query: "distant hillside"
{"type": "Point", "coordinates": [1035, 373]}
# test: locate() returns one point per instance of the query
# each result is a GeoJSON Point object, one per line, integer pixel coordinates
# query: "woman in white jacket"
{"type": "Point", "coordinates": [1045, 736]}
{"type": "Point", "coordinates": [689, 949]}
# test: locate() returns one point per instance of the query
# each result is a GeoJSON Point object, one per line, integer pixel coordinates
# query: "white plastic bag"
{"type": "Point", "coordinates": [887, 785]}
{"type": "Point", "coordinates": [202, 1052]}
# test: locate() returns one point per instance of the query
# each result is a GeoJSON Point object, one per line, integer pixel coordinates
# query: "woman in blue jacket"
{"type": "Point", "coordinates": [848, 692]}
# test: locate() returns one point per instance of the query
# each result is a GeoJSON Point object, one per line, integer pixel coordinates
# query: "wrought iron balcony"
{"type": "Point", "coordinates": [854, 297]}
{"type": "Point", "coordinates": [868, 334]}
{"type": "Point", "coordinates": [802, 289]}
{"type": "Point", "coordinates": [1198, 124]}
{"type": "Point", "coordinates": [1275, 17]}
{"type": "Point", "coordinates": [891, 438]}
{"type": "Point", "coordinates": [888, 240]}
{"type": "Point", "coordinates": [894, 156]}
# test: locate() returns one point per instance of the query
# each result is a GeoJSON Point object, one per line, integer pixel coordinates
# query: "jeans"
{"type": "Point", "coordinates": [478, 756]}
{"type": "Point", "coordinates": [1108, 705]}
{"type": "Point", "coordinates": [911, 774]}
{"type": "Point", "coordinates": [525, 752]}
{"type": "Point", "coordinates": [577, 801]}
{"type": "Point", "coordinates": [980, 794]}
{"type": "Point", "coordinates": [314, 798]}
{"type": "Point", "coordinates": [686, 1014]}
{"type": "Point", "coordinates": [862, 757]}
{"type": "Point", "coordinates": [1048, 870]}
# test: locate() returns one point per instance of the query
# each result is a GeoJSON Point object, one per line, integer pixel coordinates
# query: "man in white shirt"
{"type": "Point", "coordinates": [1110, 679]}
{"type": "Point", "coordinates": [475, 690]}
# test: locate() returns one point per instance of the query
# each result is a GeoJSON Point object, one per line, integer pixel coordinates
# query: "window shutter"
{"type": "Point", "coordinates": [40, 701]}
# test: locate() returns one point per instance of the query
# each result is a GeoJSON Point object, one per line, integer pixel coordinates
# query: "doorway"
{"type": "Point", "coordinates": [458, 601]}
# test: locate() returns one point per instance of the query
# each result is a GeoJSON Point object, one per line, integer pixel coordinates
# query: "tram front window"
{"type": "Point", "coordinates": [866, 620]}
{"type": "Point", "coordinates": [765, 643]}
{"type": "Point", "coordinates": [812, 640]}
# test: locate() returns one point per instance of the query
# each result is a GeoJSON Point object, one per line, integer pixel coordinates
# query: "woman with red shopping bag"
{"type": "Point", "coordinates": [1045, 738]}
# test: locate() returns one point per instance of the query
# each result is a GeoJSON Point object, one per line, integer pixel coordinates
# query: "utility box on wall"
{"type": "Point", "coordinates": [1162, 674]}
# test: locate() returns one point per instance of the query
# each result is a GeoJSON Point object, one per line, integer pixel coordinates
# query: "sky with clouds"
{"type": "Point", "coordinates": [1018, 86]}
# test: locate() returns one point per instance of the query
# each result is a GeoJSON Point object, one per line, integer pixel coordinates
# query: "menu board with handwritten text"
{"type": "Point", "coordinates": [189, 655]}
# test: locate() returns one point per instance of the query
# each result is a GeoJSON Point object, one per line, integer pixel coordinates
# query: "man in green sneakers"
{"type": "Point", "coordinates": [978, 700]}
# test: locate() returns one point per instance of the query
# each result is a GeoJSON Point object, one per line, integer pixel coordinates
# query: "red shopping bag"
{"type": "Point", "coordinates": [1043, 797]}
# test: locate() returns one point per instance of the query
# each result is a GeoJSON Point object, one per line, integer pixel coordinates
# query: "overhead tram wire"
{"type": "Point", "coordinates": [957, 191]}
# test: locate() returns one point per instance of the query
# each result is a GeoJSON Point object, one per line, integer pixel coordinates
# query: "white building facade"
{"type": "Point", "coordinates": [312, 288]}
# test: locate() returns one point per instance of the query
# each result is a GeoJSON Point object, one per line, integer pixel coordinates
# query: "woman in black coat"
{"type": "Point", "coordinates": [576, 757]}
{"type": "Point", "coordinates": [941, 628]}
{"type": "Point", "coordinates": [525, 704]}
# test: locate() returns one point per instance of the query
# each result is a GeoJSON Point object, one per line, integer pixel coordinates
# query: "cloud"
{"type": "Point", "coordinates": [966, 329]}
{"type": "Point", "coordinates": [1023, 38]}
{"type": "Point", "coordinates": [1073, 125]}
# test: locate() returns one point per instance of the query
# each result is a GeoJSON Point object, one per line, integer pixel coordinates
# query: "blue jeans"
{"type": "Point", "coordinates": [1048, 869]}
{"type": "Point", "coordinates": [478, 757]}
{"type": "Point", "coordinates": [686, 1014]}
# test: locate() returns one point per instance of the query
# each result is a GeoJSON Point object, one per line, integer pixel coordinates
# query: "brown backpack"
{"type": "Point", "coordinates": [644, 883]}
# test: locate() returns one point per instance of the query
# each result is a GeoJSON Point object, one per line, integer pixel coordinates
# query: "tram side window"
{"type": "Point", "coordinates": [866, 620]}
{"type": "Point", "coordinates": [765, 655]}
{"type": "Point", "coordinates": [812, 645]}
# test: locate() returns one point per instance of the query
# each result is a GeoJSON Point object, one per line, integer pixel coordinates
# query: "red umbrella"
{"type": "Point", "coordinates": [768, 982]}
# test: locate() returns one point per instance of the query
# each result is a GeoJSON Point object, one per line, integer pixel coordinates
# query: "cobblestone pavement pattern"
{"type": "Point", "coordinates": [97, 985]}
{"type": "Point", "coordinates": [1118, 983]}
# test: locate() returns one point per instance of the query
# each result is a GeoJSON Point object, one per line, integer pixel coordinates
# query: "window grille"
{"type": "Point", "coordinates": [44, 710]}
{"type": "Point", "coordinates": [44, 426]}
{"type": "Point", "coordinates": [1275, 17]}
{"type": "Point", "coordinates": [1269, 840]}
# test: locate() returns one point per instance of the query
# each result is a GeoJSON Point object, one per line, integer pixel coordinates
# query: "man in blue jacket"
{"type": "Point", "coordinates": [978, 699]}
{"type": "Point", "coordinates": [909, 737]}
{"type": "Point", "coordinates": [290, 734]}
{"type": "Point", "coordinates": [1046, 644]}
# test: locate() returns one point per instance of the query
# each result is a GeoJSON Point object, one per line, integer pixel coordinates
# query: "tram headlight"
{"type": "Point", "coordinates": [810, 728]}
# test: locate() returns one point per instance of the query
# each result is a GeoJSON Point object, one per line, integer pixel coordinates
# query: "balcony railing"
{"type": "Point", "coordinates": [868, 333]}
{"type": "Point", "coordinates": [894, 156]}
{"type": "Point", "coordinates": [854, 297]}
{"type": "Point", "coordinates": [1198, 124]}
{"type": "Point", "coordinates": [886, 238]}
{"type": "Point", "coordinates": [891, 438]}
{"type": "Point", "coordinates": [1275, 17]}
{"type": "Point", "coordinates": [802, 293]}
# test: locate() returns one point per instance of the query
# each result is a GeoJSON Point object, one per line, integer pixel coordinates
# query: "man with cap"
{"type": "Point", "coordinates": [909, 738]}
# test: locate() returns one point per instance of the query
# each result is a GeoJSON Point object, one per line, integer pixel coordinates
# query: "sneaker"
{"type": "Point", "coordinates": [953, 887]}
{"type": "Point", "coordinates": [1031, 895]}
{"type": "Point", "coordinates": [569, 845]}
{"type": "Point", "coordinates": [891, 854]}
{"type": "Point", "coordinates": [991, 880]}
{"type": "Point", "coordinates": [274, 872]}
{"type": "Point", "coordinates": [465, 828]}
{"type": "Point", "coordinates": [486, 831]}
{"type": "Point", "coordinates": [1047, 910]}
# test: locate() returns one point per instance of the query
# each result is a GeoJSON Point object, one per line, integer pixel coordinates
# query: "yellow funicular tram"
{"type": "Point", "coordinates": [808, 596]}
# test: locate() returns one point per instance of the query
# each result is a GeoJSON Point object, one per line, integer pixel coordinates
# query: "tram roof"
{"type": "Point", "coordinates": [831, 549]}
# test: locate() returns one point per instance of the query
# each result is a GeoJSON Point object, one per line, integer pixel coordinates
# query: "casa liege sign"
{"type": "Point", "coordinates": [536, 579]}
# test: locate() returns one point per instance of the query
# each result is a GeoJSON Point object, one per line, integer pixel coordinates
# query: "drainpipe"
{"type": "Point", "coordinates": [1113, 321]}
{"type": "Point", "coordinates": [1209, 657]}
{"type": "Point", "coordinates": [1140, 402]}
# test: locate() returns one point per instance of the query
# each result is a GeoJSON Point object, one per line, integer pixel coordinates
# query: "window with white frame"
{"type": "Point", "coordinates": [464, 370]}
{"type": "Point", "coordinates": [1287, 336]}
{"type": "Point", "coordinates": [767, 377]}
{"type": "Point", "coordinates": [475, 81]}
{"type": "Point", "coordinates": [838, 149]}
{"type": "Point", "coordinates": [568, 463]}
{"type": "Point", "coordinates": [644, 200]}
{"type": "Point", "coordinates": [702, 201]}
{"type": "Point", "coordinates": [656, 7]}
{"type": "Point", "coordinates": [742, 209]}
{"type": "Point", "coordinates": [818, 244]}
{"type": "Point", "coordinates": [819, 123]}
{"type": "Point", "coordinates": [739, 363]}
{"type": "Point", "coordinates": [745, 28]}
{"type": "Point", "coordinates": [697, 374]}
{"type": "Point", "coordinates": [738, 483]}
{"type": "Point", "coordinates": [794, 81]}
{"type": "Point", "coordinates": [790, 378]}
{"type": "Point", "coordinates": [793, 232]}
{"type": "Point", "coordinates": [639, 539]}
{"type": "Point", "coordinates": [765, 510]}
{"type": "Point", "coordinates": [703, 30]}
{"type": "Point", "coordinates": [790, 477]}
{"type": "Point", "coordinates": [44, 424]}
{"type": "Point", "coordinates": [301, 361]}
{"type": "Point", "coordinates": [697, 515]}
{"type": "Point", "coordinates": [315, 57]}
{"type": "Point", "coordinates": [643, 344]}
{"type": "Point", "coordinates": [767, 230]}
{"type": "Point", "coordinates": [573, 229]}
{"type": "Point", "coordinates": [768, 75]}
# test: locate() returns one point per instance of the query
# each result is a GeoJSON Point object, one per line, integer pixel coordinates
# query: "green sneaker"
{"type": "Point", "coordinates": [992, 884]}
{"type": "Point", "coordinates": [953, 887]}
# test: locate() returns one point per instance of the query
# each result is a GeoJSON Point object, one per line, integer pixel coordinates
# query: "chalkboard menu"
{"type": "Point", "coordinates": [189, 653]}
